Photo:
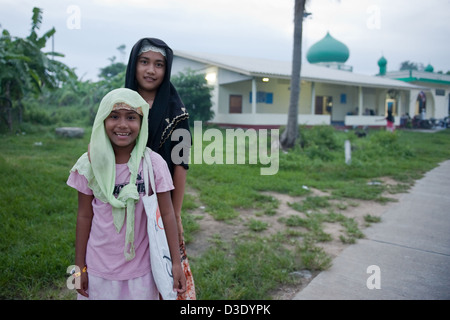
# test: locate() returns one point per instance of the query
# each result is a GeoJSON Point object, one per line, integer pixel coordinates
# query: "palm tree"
{"type": "Point", "coordinates": [291, 133]}
{"type": "Point", "coordinates": [50, 71]}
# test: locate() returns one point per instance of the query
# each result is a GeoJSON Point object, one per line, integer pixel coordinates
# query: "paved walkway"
{"type": "Point", "coordinates": [409, 251]}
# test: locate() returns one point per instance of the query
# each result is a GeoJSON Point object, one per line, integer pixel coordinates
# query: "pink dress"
{"type": "Point", "coordinates": [110, 275]}
{"type": "Point", "coordinates": [390, 126]}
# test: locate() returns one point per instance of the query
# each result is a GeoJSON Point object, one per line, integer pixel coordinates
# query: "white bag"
{"type": "Point", "coordinates": [160, 258]}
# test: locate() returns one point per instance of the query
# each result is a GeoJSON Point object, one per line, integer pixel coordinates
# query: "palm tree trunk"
{"type": "Point", "coordinates": [291, 133]}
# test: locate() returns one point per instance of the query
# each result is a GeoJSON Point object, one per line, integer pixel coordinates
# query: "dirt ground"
{"type": "Point", "coordinates": [357, 209]}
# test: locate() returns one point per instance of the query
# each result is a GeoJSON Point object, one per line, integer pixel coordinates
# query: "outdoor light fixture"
{"type": "Point", "coordinates": [265, 79]}
{"type": "Point", "coordinates": [211, 77]}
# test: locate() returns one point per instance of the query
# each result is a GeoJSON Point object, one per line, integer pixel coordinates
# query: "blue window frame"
{"type": "Point", "coordinates": [262, 97]}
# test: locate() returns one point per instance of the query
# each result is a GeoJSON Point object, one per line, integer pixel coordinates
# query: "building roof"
{"type": "Point", "coordinates": [416, 76]}
{"type": "Point", "coordinates": [282, 69]}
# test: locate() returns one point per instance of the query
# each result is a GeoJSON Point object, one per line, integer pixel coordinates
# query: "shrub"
{"type": "Point", "coordinates": [319, 142]}
{"type": "Point", "coordinates": [322, 136]}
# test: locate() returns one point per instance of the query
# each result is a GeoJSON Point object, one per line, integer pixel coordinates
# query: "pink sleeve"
{"type": "Point", "coordinates": [79, 182]}
{"type": "Point", "coordinates": [163, 179]}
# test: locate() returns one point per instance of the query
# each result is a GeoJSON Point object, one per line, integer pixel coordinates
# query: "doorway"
{"type": "Point", "coordinates": [324, 105]}
{"type": "Point", "coordinates": [235, 103]}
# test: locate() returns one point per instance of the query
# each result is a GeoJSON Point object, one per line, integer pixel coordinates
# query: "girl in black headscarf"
{"type": "Point", "coordinates": [148, 73]}
{"type": "Point", "coordinates": [167, 111]}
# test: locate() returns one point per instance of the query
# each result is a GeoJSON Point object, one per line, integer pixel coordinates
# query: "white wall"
{"type": "Point", "coordinates": [369, 120]}
{"type": "Point", "coordinates": [279, 89]}
{"type": "Point", "coordinates": [269, 119]}
{"type": "Point", "coordinates": [181, 64]}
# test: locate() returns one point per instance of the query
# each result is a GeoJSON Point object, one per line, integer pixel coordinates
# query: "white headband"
{"type": "Point", "coordinates": [147, 46]}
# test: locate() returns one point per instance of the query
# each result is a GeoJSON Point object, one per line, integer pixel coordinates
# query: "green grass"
{"type": "Point", "coordinates": [243, 270]}
{"type": "Point", "coordinates": [404, 156]}
{"type": "Point", "coordinates": [225, 190]}
{"type": "Point", "coordinates": [38, 209]}
{"type": "Point", "coordinates": [37, 213]}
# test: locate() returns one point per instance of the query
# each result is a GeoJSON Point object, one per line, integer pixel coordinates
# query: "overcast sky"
{"type": "Point", "coordinates": [89, 32]}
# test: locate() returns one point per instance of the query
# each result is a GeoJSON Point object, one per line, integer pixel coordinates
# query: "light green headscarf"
{"type": "Point", "coordinates": [100, 171]}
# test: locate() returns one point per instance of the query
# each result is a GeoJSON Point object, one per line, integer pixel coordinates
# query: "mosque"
{"type": "Point", "coordinates": [255, 93]}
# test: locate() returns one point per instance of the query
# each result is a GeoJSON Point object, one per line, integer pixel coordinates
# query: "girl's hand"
{"type": "Point", "coordinates": [84, 283]}
{"type": "Point", "coordinates": [179, 280]}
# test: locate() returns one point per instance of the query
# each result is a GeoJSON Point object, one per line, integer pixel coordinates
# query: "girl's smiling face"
{"type": "Point", "coordinates": [150, 71]}
{"type": "Point", "coordinates": [122, 127]}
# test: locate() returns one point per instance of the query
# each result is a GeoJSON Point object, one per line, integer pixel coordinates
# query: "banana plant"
{"type": "Point", "coordinates": [26, 69]}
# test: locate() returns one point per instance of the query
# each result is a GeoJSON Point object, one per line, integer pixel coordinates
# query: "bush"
{"type": "Point", "coordinates": [319, 142]}
{"type": "Point", "coordinates": [37, 116]}
{"type": "Point", "coordinates": [195, 94]}
{"type": "Point", "coordinates": [386, 143]}
{"type": "Point", "coordinates": [322, 136]}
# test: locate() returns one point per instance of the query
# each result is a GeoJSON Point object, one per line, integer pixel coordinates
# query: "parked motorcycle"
{"type": "Point", "coordinates": [418, 123]}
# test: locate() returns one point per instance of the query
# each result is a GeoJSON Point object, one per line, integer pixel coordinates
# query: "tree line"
{"type": "Point", "coordinates": [36, 88]}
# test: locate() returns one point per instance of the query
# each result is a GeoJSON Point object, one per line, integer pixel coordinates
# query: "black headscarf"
{"type": "Point", "coordinates": [168, 111]}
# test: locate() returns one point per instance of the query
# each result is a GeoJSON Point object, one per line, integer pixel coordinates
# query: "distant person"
{"type": "Point", "coordinates": [148, 72]}
{"type": "Point", "coordinates": [390, 125]}
{"type": "Point", "coordinates": [112, 244]}
{"type": "Point", "coordinates": [405, 120]}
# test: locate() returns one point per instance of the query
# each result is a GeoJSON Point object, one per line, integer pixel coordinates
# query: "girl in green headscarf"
{"type": "Point", "coordinates": [113, 255]}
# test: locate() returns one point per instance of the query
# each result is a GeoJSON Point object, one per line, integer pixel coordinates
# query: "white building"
{"type": "Point", "coordinates": [252, 92]}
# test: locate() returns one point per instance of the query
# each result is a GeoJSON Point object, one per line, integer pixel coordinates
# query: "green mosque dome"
{"type": "Point", "coordinates": [429, 68]}
{"type": "Point", "coordinates": [328, 50]}
{"type": "Point", "coordinates": [382, 62]}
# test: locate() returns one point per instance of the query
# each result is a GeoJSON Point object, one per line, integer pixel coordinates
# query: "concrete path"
{"type": "Point", "coordinates": [405, 256]}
